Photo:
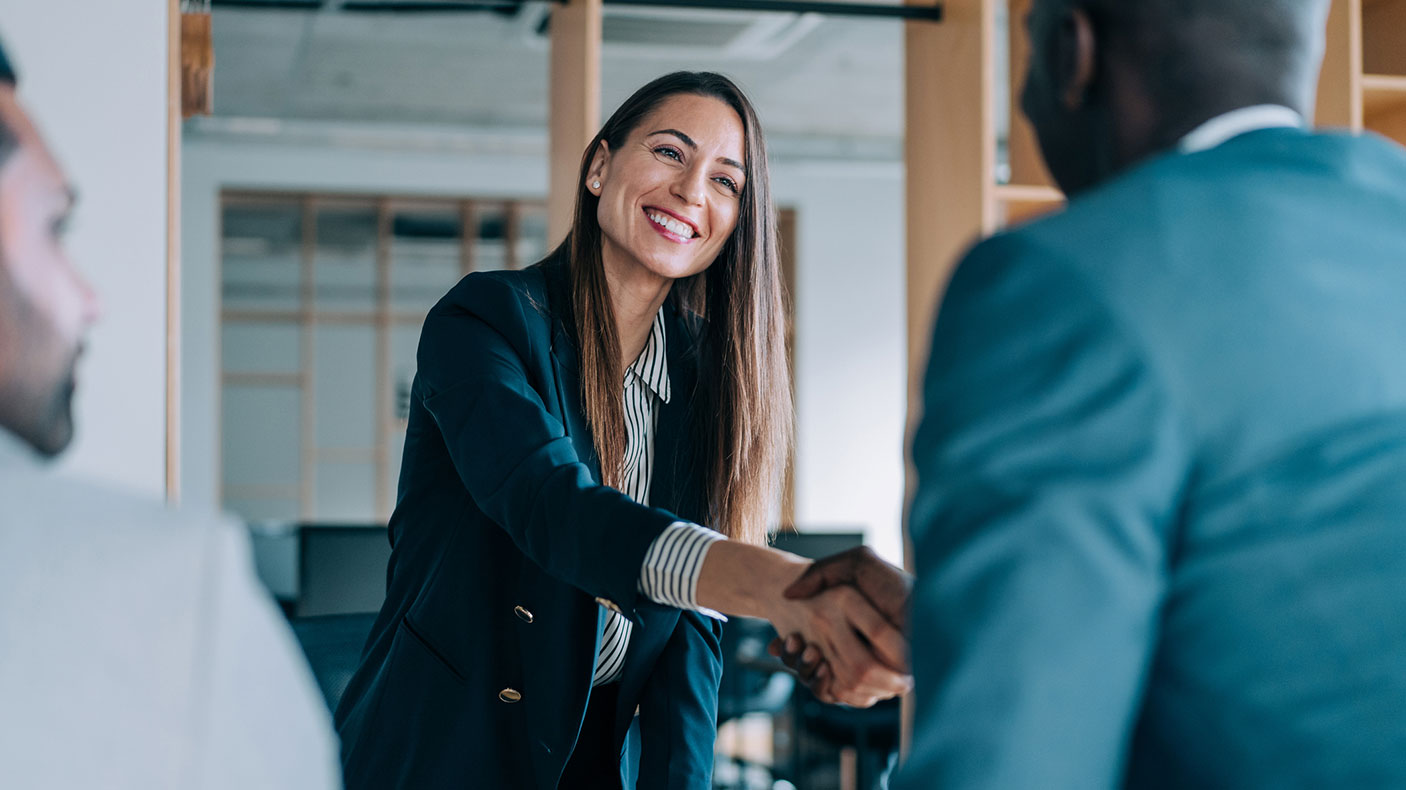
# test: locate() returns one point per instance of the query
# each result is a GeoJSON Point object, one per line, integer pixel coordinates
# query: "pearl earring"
{"type": "Point", "coordinates": [595, 185]}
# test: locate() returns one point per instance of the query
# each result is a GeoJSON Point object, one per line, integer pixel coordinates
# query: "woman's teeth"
{"type": "Point", "coordinates": [670, 224]}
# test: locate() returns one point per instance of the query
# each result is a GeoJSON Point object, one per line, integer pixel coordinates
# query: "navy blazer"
{"type": "Point", "coordinates": [478, 669]}
{"type": "Point", "coordinates": [1160, 524]}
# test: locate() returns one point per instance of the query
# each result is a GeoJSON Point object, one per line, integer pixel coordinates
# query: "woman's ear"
{"type": "Point", "coordinates": [600, 167]}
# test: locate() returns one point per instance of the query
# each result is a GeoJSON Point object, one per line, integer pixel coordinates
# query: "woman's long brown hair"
{"type": "Point", "coordinates": [742, 410]}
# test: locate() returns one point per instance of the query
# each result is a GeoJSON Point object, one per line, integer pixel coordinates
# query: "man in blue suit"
{"type": "Point", "coordinates": [1160, 523]}
{"type": "Point", "coordinates": [1160, 526]}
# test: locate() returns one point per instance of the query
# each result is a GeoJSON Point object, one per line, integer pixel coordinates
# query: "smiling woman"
{"type": "Point", "coordinates": [675, 198]}
{"type": "Point", "coordinates": [549, 617]}
{"type": "Point", "coordinates": [549, 609]}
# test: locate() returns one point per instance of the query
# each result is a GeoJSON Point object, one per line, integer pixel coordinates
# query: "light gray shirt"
{"type": "Point", "coordinates": [138, 651]}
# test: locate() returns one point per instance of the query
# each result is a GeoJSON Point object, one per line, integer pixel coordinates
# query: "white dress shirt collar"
{"type": "Point", "coordinates": [1224, 127]}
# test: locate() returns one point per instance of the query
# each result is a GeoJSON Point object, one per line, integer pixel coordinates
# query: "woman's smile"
{"type": "Point", "coordinates": [671, 226]}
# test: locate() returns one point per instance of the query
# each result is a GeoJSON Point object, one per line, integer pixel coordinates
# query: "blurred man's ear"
{"type": "Point", "coordinates": [1077, 58]}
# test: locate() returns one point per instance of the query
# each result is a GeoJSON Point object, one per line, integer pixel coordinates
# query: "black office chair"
{"type": "Point", "coordinates": [341, 568]}
{"type": "Point", "coordinates": [824, 730]}
{"type": "Point", "coordinates": [332, 644]}
{"type": "Point", "coordinates": [753, 681]}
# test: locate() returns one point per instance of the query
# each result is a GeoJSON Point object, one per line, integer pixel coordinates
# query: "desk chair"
{"type": "Point", "coordinates": [333, 644]}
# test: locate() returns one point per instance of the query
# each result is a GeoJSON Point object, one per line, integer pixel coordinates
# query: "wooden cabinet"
{"type": "Point", "coordinates": [954, 194]}
{"type": "Point", "coordinates": [1384, 67]}
{"type": "Point", "coordinates": [1364, 68]}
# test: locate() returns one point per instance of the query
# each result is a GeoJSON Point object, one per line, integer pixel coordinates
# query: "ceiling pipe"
{"type": "Point", "coordinates": [920, 13]}
{"type": "Point", "coordinates": [928, 13]}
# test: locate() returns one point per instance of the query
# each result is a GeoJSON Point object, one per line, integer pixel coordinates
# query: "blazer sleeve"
{"type": "Point", "coordinates": [1050, 465]}
{"type": "Point", "coordinates": [513, 456]}
{"type": "Point", "coordinates": [679, 708]}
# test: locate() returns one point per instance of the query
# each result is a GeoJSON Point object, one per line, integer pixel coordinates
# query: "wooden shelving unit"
{"type": "Point", "coordinates": [953, 194]}
{"type": "Point", "coordinates": [1020, 202]}
{"type": "Point", "coordinates": [1364, 74]}
{"type": "Point", "coordinates": [1031, 191]}
{"type": "Point", "coordinates": [1384, 68]}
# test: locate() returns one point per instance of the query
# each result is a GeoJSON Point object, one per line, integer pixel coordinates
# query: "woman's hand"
{"type": "Point", "coordinates": [805, 662]}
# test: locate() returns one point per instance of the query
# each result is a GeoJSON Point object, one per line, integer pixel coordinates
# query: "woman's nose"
{"type": "Point", "coordinates": [689, 186]}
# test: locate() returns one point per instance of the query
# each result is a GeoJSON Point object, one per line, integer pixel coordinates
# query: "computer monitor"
{"type": "Point", "coordinates": [342, 569]}
{"type": "Point", "coordinates": [814, 545]}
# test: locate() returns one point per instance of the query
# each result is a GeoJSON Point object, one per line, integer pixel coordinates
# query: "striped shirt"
{"type": "Point", "coordinates": [673, 560]}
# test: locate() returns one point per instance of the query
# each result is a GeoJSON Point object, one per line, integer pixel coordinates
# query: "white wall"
{"type": "Point", "coordinates": [93, 75]}
{"type": "Point", "coordinates": [851, 347]}
{"type": "Point", "coordinates": [850, 363]}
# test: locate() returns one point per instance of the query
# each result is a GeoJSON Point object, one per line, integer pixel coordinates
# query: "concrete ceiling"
{"type": "Point", "coordinates": [835, 79]}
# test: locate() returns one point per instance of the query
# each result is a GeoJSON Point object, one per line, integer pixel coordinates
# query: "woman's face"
{"type": "Point", "coordinates": [670, 196]}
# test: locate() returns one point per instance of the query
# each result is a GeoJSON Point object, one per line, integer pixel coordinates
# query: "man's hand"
{"type": "Point", "coordinates": [863, 657]}
{"type": "Point", "coordinates": [865, 652]}
{"type": "Point", "coordinates": [886, 587]}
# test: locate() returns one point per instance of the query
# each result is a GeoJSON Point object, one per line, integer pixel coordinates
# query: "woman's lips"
{"type": "Point", "coordinates": [669, 226]}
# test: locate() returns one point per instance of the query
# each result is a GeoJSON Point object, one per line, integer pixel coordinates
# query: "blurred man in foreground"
{"type": "Point", "coordinates": [1160, 525]}
{"type": "Point", "coordinates": [136, 650]}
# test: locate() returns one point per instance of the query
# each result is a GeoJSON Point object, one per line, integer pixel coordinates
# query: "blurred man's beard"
{"type": "Point", "coordinates": [36, 395]}
{"type": "Point", "coordinates": [40, 366]}
{"type": "Point", "coordinates": [55, 427]}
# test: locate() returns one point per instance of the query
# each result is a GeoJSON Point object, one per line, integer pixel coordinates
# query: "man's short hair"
{"type": "Point", "coordinates": [7, 72]}
{"type": "Point", "coordinates": [1185, 45]}
{"type": "Point", "coordinates": [8, 141]}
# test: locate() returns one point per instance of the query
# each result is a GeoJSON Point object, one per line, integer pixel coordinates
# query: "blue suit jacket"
{"type": "Point", "coordinates": [499, 508]}
{"type": "Point", "coordinates": [1160, 525]}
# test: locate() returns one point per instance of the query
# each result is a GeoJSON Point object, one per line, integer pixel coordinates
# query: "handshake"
{"type": "Point", "coordinates": [843, 628]}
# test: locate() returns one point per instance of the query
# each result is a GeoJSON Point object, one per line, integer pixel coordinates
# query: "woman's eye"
{"type": "Point", "coordinates": [727, 182]}
{"type": "Point", "coordinates": [669, 152]}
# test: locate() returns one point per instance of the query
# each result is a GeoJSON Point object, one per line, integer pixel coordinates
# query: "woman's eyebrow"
{"type": "Point", "coordinates": [688, 141]}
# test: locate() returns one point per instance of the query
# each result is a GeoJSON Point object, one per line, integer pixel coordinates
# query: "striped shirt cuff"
{"type": "Point", "coordinates": [672, 565]}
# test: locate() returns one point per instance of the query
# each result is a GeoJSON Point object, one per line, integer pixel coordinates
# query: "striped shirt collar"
{"type": "Point", "coordinates": [652, 365]}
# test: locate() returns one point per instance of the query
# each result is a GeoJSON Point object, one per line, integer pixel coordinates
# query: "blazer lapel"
{"type": "Point", "coordinates": [566, 367]}
{"type": "Point", "coordinates": [673, 488]}
{"type": "Point", "coordinates": [669, 488]}
{"type": "Point", "coordinates": [573, 417]}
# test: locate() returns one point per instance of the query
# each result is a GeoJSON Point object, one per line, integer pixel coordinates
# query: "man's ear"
{"type": "Point", "coordinates": [1077, 58]}
{"type": "Point", "coordinates": [600, 168]}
